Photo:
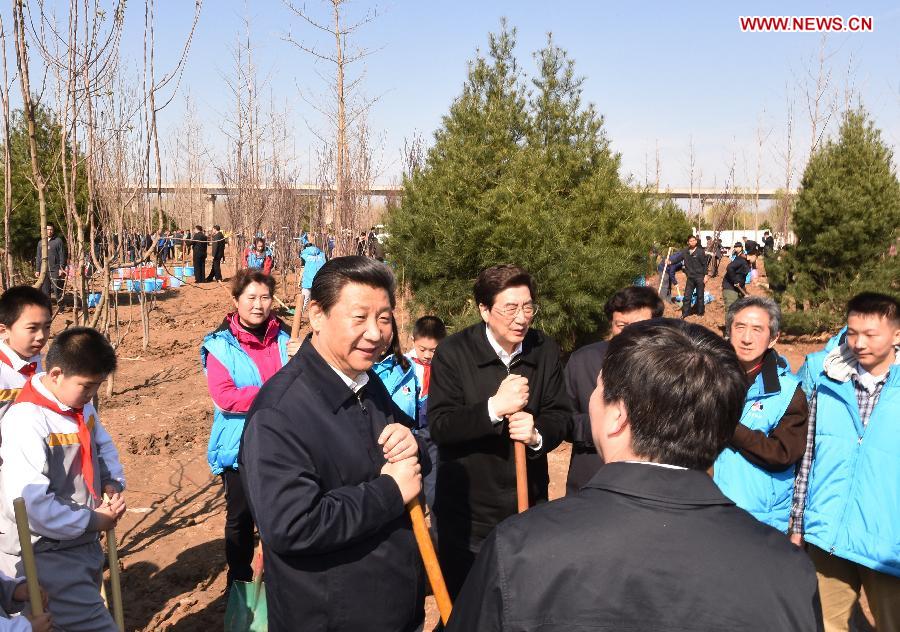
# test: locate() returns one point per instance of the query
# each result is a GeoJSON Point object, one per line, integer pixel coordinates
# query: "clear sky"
{"type": "Point", "coordinates": [660, 72]}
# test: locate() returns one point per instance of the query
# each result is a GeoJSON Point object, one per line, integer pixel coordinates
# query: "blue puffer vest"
{"type": "Point", "coordinates": [227, 428]}
{"type": "Point", "coordinates": [854, 482]}
{"type": "Point", "coordinates": [767, 495]}
{"type": "Point", "coordinates": [402, 385]}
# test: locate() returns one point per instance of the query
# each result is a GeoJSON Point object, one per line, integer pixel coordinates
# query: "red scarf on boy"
{"type": "Point", "coordinates": [28, 369]}
{"type": "Point", "coordinates": [31, 395]}
{"type": "Point", "coordinates": [426, 377]}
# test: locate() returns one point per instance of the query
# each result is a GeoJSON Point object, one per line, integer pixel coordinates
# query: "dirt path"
{"type": "Point", "coordinates": [159, 416]}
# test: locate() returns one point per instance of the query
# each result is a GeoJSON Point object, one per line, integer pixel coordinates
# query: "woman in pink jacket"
{"type": "Point", "coordinates": [249, 347]}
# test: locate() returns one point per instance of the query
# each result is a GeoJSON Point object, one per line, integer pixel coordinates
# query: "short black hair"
{"type": "Point", "coordinates": [245, 277]}
{"type": "Point", "coordinates": [338, 272]}
{"type": "Point", "coordinates": [81, 351]}
{"type": "Point", "coordinates": [198, 227]}
{"type": "Point", "coordinates": [682, 387]}
{"type": "Point", "coordinates": [216, 226]}
{"type": "Point", "coordinates": [429, 327]}
{"type": "Point", "coordinates": [875, 304]}
{"type": "Point", "coordinates": [633, 298]}
{"type": "Point", "coordinates": [491, 281]}
{"type": "Point", "coordinates": [17, 298]}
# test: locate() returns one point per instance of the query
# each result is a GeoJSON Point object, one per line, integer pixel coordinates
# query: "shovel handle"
{"type": "Point", "coordinates": [521, 477]}
{"type": "Point", "coordinates": [31, 576]}
{"type": "Point", "coordinates": [115, 580]}
{"type": "Point", "coordinates": [429, 559]}
{"type": "Point", "coordinates": [298, 315]}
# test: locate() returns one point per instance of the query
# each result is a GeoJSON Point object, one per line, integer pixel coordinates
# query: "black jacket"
{"type": "Point", "coordinates": [694, 264]}
{"type": "Point", "coordinates": [217, 245]}
{"type": "Point", "coordinates": [736, 275]}
{"type": "Point", "coordinates": [476, 478]}
{"type": "Point", "coordinates": [338, 546]}
{"type": "Point", "coordinates": [199, 242]}
{"type": "Point", "coordinates": [56, 256]}
{"type": "Point", "coordinates": [582, 370]}
{"type": "Point", "coordinates": [641, 547]}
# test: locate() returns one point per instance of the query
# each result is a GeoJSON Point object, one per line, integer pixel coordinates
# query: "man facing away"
{"type": "Point", "coordinates": [628, 305]}
{"type": "Point", "coordinates": [650, 543]}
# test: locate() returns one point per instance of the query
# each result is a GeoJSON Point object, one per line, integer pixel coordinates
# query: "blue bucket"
{"type": "Point", "coordinates": [133, 285]}
{"type": "Point", "coordinates": [116, 285]}
{"type": "Point", "coordinates": [160, 271]}
{"type": "Point", "coordinates": [150, 285]}
{"type": "Point", "coordinates": [178, 272]}
{"type": "Point", "coordinates": [188, 270]}
{"type": "Point", "coordinates": [174, 281]}
{"type": "Point", "coordinates": [93, 299]}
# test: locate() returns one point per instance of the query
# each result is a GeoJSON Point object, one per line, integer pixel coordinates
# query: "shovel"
{"type": "Point", "coordinates": [31, 576]}
{"type": "Point", "coordinates": [246, 610]}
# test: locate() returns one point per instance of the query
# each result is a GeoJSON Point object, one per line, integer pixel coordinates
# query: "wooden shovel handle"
{"type": "Point", "coordinates": [430, 560]}
{"type": "Point", "coordinates": [521, 477]}
{"type": "Point", "coordinates": [31, 576]}
{"type": "Point", "coordinates": [115, 581]}
{"type": "Point", "coordinates": [298, 314]}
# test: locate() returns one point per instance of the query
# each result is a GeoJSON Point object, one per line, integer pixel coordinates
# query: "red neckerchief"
{"type": "Point", "coordinates": [28, 369]}
{"type": "Point", "coordinates": [426, 376]}
{"type": "Point", "coordinates": [30, 394]}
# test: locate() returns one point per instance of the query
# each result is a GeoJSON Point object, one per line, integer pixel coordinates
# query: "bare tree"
{"type": "Point", "coordinates": [349, 110]}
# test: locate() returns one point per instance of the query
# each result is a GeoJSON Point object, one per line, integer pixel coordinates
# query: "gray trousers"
{"type": "Point", "coordinates": [71, 577]}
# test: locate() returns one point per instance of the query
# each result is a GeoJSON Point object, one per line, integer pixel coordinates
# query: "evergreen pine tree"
{"type": "Point", "coordinates": [846, 218]}
{"type": "Point", "coordinates": [527, 179]}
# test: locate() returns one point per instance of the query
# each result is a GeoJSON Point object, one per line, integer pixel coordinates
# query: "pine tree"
{"type": "Point", "coordinates": [846, 218]}
{"type": "Point", "coordinates": [525, 178]}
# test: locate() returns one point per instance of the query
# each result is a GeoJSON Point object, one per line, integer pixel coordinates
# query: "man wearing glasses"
{"type": "Point", "coordinates": [493, 383]}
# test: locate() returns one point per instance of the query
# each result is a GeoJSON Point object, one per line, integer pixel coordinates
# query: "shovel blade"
{"type": "Point", "coordinates": [246, 610]}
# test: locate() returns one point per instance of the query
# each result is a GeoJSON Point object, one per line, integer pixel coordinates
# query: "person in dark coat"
{"type": "Point", "coordinates": [629, 305]}
{"type": "Point", "coordinates": [199, 243]}
{"type": "Point", "coordinates": [493, 383]}
{"type": "Point", "coordinates": [327, 469]}
{"type": "Point", "coordinates": [695, 271]}
{"type": "Point", "coordinates": [734, 282]}
{"type": "Point", "coordinates": [217, 245]}
{"type": "Point", "coordinates": [650, 543]}
{"type": "Point", "coordinates": [56, 264]}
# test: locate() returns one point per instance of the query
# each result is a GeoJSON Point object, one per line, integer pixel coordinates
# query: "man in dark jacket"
{"type": "Point", "coordinates": [56, 264]}
{"type": "Point", "coordinates": [217, 243]}
{"type": "Point", "coordinates": [650, 543]}
{"type": "Point", "coordinates": [629, 305]}
{"type": "Point", "coordinates": [199, 243]}
{"type": "Point", "coordinates": [491, 384]}
{"type": "Point", "coordinates": [735, 279]}
{"type": "Point", "coordinates": [695, 271]}
{"type": "Point", "coordinates": [327, 469]}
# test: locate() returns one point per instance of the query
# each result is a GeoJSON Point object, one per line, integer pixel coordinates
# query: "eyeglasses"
{"type": "Point", "coordinates": [511, 311]}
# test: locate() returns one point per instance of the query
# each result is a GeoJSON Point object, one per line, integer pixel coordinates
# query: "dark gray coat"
{"type": "Point", "coordinates": [641, 547]}
{"type": "Point", "coordinates": [338, 546]}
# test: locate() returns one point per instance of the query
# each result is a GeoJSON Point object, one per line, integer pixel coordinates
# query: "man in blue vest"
{"type": "Point", "coordinates": [847, 501]}
{"type": "Point", "coordinates": [756, 468]}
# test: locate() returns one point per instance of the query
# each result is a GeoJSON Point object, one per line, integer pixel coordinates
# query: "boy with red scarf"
{"type": "Point", "coordinates": [427, 334]}
{"type": "Point", "coordinates": [59, 458]}
{"type": "Point", "coordinates": [24, 330]}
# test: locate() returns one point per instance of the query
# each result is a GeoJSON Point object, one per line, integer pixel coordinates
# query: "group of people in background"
{"type": "Point", "coordinates": [700, 263]}
{"type": "Point", "coordinates": [709, 487]}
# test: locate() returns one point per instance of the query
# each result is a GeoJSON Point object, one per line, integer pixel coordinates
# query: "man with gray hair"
{"type": "Point", "coordinates": [756, 468]}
